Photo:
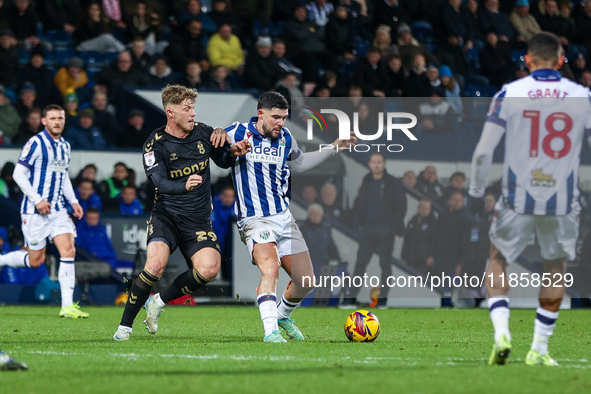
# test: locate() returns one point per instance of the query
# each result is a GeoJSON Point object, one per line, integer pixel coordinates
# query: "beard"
{"type": "Point", "coordinates": [56, 132]}
{"type": "Point", "coordinates": [268, 132]}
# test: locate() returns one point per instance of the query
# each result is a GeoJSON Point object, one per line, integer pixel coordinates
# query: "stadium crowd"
{"type": "Point", "coordinates": [80, 53]}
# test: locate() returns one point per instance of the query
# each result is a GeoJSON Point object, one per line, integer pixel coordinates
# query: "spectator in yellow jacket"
{"type": "Point", "coordinates": [71, 77]}
{"type": "Point", "coordinates": [224, 49]}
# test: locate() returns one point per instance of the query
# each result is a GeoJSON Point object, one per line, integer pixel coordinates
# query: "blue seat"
{"type": "Point", "coordinates": [62, 55]}
{"type": "Point", "coordinates": [92, 71]}
{"type": "Point", "coordinates": [361, 46]}
{"type": "Point", "coordinates": [477, 108]}
{"type": "Point", "coordinates": [23, 56]}
{"type": "Point", "coordinates": [394, 106]}
{"type": "Point", "coordinates": [109, 57]}
{"type": "Point", "coordinates": [272, 29]}
{"type": "Point", "coordinates": [423, 31]}
{"type": "Point", "coordinates": [60, 38]}
{"type": "Point", "coordinates": [473, 60]}
{"type": "Point", "coordinates": [277, 29]}
{"type": "Point", "coordinates": [518, 56]}
{"type": "Point", "coordinates": [348, 68]}
{"type": "Point", "coordinates": [492, 90]}
{"type": "Point", "coordinates": [475, 90]}
{"type": "Point", "coordinates": [91, 58]}
{"type": "Point", "coordinates": [431, 47]}
{"type": "Point", "coordinates": [261, 29]}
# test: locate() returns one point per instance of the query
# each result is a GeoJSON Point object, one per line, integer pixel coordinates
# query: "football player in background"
{"type": "Point", "coordinates": [266, 226]}
{"type": "Point", "coordinates": [544, 118]}
{"type": "Point", "coordinates": [42, 175]}
{"type": "Point", "coordinates": [176, 159]}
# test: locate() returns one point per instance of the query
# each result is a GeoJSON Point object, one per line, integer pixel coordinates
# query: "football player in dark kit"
{"type": "Point", "coordinates": [176, 158]}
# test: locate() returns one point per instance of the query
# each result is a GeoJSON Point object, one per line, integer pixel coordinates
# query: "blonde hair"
{"type": "Point", "coordinates": [386, 30]}
{"type": "Point", "coordinates": [176, 94]}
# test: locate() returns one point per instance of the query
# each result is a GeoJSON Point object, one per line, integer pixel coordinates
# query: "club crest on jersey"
{"type": "Point", "coordinates": [173, 156]}
{"type": "Point", "coordinates": [149, 159]}
{"type": "Point", "coordinates": [267, 154]}
{"type": "Point", "coordinates": [264, 235]}
{"type": "Point", "coordinates": [282, 141]}
{"type": "Point", "coordinates": [541, 179]}
{"type": "Point", "coordinates": [200, 148]}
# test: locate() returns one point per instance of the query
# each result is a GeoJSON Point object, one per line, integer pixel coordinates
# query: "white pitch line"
{"type": "Point", "coordinates": [407, 361]}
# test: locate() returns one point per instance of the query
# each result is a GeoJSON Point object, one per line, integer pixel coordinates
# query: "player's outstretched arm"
{"type": "Point", "coordinates": [225, 157]}
{"type": "Point", "coordinates": [300, 161]}
{"type": "Point", "coordinates": [339, 144]}
{"type": "Point", "coordinates": [240, 148]}
{"type": "Point", "coordinates": [219, 137]}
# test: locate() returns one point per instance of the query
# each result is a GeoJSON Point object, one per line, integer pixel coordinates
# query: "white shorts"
{"type": "Point", "coordinates": [37, 228]}
{"type": "Point", "coordinates": [280, 228]}
{"type": "Point", "coordinates": [557, 236]}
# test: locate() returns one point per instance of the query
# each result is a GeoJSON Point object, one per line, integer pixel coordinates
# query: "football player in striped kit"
{"type": "Point", "coordinates": [42, 175]}
{"type": "Point", "coordinates": [544, 118]}
{"type": "Point", "coordinates": [261, 179]}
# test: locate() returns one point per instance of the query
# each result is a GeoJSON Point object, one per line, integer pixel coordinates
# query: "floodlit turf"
{"type": "Point", "coordinates": [219, 349]}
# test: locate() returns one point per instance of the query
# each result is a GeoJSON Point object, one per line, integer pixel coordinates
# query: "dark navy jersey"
{"type": "Point", "coordinates": [169, 161]}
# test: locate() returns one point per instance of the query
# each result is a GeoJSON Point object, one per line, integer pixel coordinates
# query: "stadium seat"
{"type": "Point", "coordinates": [348, 68]}
{"type": "Point", "coordinates": [474, 60]}
{"type": "Point", "coordinates": [277, 29]}
{"type": "Point", "coordinates": [423, 32]}
{"type": "Point", "coordinates": [492, 90]}
{"type": "Point", "coordinates": [517, 56]}
{"type": "Point", "coordinates": [475, 90]}
{"type": "Point", "coordinates": [361, 46]}
{"type": "Point", "coordinates": [431, 47]}
{"type": "Point", "coordinates": [394, 106]}
{"type": "Point", "coordinates": [474, 79]}
{"type": "Point", "coordinates": [92, 71]}
{"type": "Point", "coordinates": [109, 57]}
{"type": "Point", "coordinates": [62, 55]}
{"type": "Point", "coordinates": [272, 29]}
{"type": "Point", "coordinates": [477, 109]}
{"type": "Point", "coordinates": [23, 56]}
{"type": "Point", "coordinates": [60, 38]}
{"type": "Point", "coordinates": [91, 58]}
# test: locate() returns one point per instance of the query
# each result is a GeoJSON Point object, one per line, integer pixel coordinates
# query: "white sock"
{"type": "Point", "coordinates": [543, 329]}
{"type": "Point", "coordinates": [159, 301]}
{"type": "Point", "coordinates": [125, 328]}
{"type": "Point", "coordinates": [67, 278]}
{"type": "Point", "coordinates": [285, 308]}
{"type": "Point", "coordinates": [16, 259]}
{"type": "Point", "coordinates": [499, 315]}
{"type": "Point", "coordinates": [268, 309]}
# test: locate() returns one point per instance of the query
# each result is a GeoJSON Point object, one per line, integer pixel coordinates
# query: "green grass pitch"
{"type": "Point", "coordinates": [208, 349]}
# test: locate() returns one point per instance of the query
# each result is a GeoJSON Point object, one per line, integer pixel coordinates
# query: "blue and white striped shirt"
{"type": "Point", "coordinates": [48, 161]}
{"type": "Point", "coordinates": [545, 118]}
{"type": "Point", "coordinates": [261, 177]}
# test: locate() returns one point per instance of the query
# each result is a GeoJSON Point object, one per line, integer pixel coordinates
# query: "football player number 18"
{"type": "Point", "coordinates": [552, 133]}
